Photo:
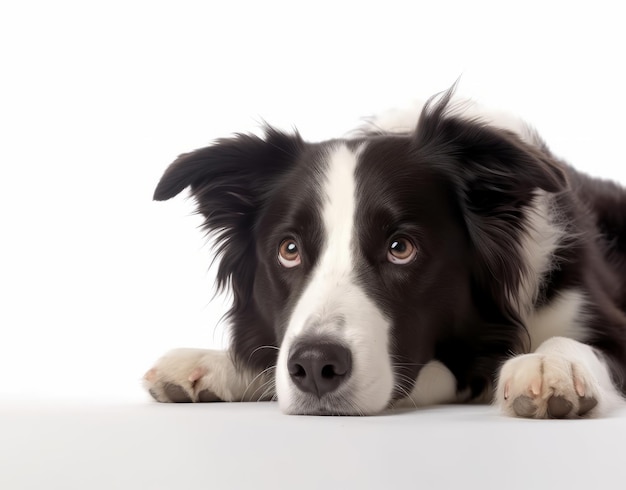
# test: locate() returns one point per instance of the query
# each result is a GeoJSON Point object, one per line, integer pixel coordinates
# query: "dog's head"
{"type": "Point", "coordinates": [363, 259]}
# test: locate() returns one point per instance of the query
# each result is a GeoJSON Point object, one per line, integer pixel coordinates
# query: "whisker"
{"type": "Point", "coordinates": [260, 348]}
{"type": "Point", "coordinates": [403, 384]}
{"type": "Point", "coordinates": [253, 380]}
{"type": "Point", "coordinates": [403, 390]}
{"type": "Point", "coordinates": [262, 387]}
{"type": "Point", "coordinates": [354, 406]}
{"type": "Point", "coordinates": [270, 389]}
{"type": "Point", "coordinates": [408, 379]}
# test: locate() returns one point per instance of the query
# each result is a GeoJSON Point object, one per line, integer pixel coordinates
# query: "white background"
{"type": "Point", "coordinates": [96, 280]}
{"type": "Point", "coordinates": [97, 98]}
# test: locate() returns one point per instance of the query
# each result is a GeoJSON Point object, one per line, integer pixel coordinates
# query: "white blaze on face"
{"type": "Point", "coordinates": [333, 293]}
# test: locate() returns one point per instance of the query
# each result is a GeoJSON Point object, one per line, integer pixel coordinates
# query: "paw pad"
{"type": "Point", "coordinates": [558, 407]}
{"type": "Point", "coordinates": [523, 406]}
{"type": "Point", "coordinates": [208, 396]}
{"type": "Point", "coordinates": [176, 393]}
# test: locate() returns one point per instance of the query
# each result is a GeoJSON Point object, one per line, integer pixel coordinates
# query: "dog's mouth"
{"type": "Point", "coordinates": [328, 405]}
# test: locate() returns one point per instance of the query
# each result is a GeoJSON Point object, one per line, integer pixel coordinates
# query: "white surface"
{"type": "Point", "coordinates": [253, 446]}
{"type": "Point", "coordinates": [97, 281]}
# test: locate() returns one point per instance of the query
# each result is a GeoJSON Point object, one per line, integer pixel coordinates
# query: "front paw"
{"type": "Point", "coordinates": [193, 375]}
{"type": "Point", "coordinates": [547, 386]}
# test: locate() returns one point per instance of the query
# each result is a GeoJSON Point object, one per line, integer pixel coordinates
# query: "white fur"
{"type": "Point", "coordinates": [435, 385]}
{"type": "Point", "coordinates": [564, 316]}
{"type": "Point", "coordinates": [559, 367]}
{"type": "Point", "coordinates": [468, 109]}
{"type": "Point", "coordinates": [332, 291]}
{"type": "Point", "coordinates": [405, 120]}
{"type": "Point", "coordinates": [541, 237]}
{"type": "Point", "coordinates": [196, 370]}
{"type": "Point", "coordinates": [396, 120]}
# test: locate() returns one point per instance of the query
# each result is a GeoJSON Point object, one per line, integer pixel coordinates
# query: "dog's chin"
{"type": "Point", "coordinates": [331, 404]}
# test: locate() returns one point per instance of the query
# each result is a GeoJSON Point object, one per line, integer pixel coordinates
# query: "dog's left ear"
{"type": "Point", "coordinates": [498, 179]}
{"type": "Point", "coordinates": [488, 164]}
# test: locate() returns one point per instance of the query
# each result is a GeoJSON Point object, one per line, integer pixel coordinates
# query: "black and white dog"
{"type": "Point", "coordinates": [443, 256]}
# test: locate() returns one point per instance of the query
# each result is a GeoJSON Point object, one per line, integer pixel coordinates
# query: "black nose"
{"type": "Point", "coordinates": [319, 366]}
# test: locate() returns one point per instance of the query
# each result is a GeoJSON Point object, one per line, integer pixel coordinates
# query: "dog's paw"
{"type": "Point", "coordinates": [195, 375]}
{"type": "Point", "coordinates": [547, 386]}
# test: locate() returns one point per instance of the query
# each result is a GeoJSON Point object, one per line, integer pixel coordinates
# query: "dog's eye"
{"type": "Point", "coordinates": [401, 251]}
{"type": "Point", "coordinates": [288, 254]}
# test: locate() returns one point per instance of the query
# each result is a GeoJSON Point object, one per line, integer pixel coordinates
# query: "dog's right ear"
{"type": "Point", "coordinates": [229, 182]}
{"type": "Point", "coordinates": [230, 165]}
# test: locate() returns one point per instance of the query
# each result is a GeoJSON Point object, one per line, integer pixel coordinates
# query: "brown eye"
{"type": "Point", "coordinates": [288, 253]}
{"type": "Point", "coordinates": [401, 251]}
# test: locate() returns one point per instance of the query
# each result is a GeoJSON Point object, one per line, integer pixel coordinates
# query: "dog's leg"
{"type": "Point", "coordinates": [563, 378]}
{"type": "Point", "coordinates": [198, 375]}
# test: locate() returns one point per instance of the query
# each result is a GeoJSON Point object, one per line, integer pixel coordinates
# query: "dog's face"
{"type": "Point", "coordinates": [355, 271]}
{"type": "Point", "coordinates": [361, 259]}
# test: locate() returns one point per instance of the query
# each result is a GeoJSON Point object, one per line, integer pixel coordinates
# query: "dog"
{"type": "Point", "coordinates": [439, 255]}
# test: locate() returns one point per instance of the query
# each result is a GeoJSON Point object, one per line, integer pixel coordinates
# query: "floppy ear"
{"type": "Point", "coordinates": [230, 162]}
{"type": "Point", "coordinates": [229, 181]}
{"type": "Point", "coordinates": [488, 164]}
{"type": "Point", "coordinates": [498, 178]}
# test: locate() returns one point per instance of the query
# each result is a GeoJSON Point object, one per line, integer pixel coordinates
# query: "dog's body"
{"type": "Point", "coordinates": [445, 259]}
